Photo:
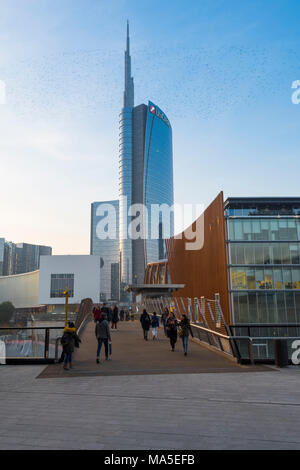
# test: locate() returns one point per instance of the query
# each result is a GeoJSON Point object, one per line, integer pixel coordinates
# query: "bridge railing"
{"type": "Point", "coordinates": [19, 345]}
{"type": "Point", "coordinates": [248, 343]}
{"type": "Point", "coordinates": [206, 317]}
{"type": "Point", "coordinates": [29, 344]}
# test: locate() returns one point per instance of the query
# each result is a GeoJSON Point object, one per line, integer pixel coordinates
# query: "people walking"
{"type": "Point", "coordinates": [184, 331]}
{"type": "Point", "coordinates": [171, 326]}
{"type": "Point", "coordinates": [69, 341]}
{"type": "Point", "coordinates": [154, 325]}
{"type": "Point", "coordinates": [164, 320]}
{"type": "Point", "coordinates": [145, 322]}
{"type": "Point", "coordinates": [115, 318]}
{"type": "Point", "coordinates": [102, 332]}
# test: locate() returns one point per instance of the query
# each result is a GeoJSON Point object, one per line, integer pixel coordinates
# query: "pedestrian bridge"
{"type": "Point", "coordinates": [216, 346]}
{"type": "Point", "coordinates": [132, 355]}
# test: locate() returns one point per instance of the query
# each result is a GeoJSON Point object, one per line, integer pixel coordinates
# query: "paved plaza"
{"type": "Point", "coordinates": [234, 408]}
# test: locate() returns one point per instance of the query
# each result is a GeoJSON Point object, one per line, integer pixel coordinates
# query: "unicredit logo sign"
{"type": "Point", "coordinates": [158, 113]}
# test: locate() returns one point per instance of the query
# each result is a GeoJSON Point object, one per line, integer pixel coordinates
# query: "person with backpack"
{"type": "Point", "coordinates": [102, 332]}
{"type": "Point", "coordinates": [154, 325]}
{"type": "Point", "coordinates": [184, 331]}
{"type": "Point", "coordinates": [171, 326]}
{"type": "Point", "coordinates": [69, 341]}
{"type": "Point", "coordinates": [145, 322]}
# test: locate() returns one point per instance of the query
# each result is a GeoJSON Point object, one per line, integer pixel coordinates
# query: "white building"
{"type": "Point", "coordinates": [80, 273]}
{"type": "Point", "coordinates": [46, 286]}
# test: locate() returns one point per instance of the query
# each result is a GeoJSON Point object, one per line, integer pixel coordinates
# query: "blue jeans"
{"type": "Point", "coordinates": [100, 342]}
{"type": "Point", "coordinates": [68, 358]}
{"type": "Point", "coordinates": [185, 342]}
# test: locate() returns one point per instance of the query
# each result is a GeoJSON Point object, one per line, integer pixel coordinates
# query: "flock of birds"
{"type": "Point", "coordinates": [194, 81]}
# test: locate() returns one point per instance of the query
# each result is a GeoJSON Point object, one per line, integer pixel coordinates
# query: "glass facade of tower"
{"type": "Point", "coordinates": [158, 180]}
{"type": "Point", "coordinates": [105, 216]}
{"type": "Point", "coordinates": [125, 194]}
{"type": "Point", "coordinates": [264, 259]}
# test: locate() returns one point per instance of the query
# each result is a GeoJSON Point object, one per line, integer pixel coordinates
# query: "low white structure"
{"type": "Point", "coordinates": [80, 273]}
{"type": "Point", "coordinates": [21, 289]}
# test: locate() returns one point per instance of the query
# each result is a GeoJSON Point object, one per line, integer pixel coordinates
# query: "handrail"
{"type": "Point", "coordinates": [221, 335]}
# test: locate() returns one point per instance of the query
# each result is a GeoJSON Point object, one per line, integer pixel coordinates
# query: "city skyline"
{"type": "Point", "coordinates": [225, 83]}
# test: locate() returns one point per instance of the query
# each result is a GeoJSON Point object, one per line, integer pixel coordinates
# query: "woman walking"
{"type": "Point", "coordinates": [102, 333]}
{"type": "Point", "coordinates": [145, 322]}
{"type": "Point", "coordinates": [69, 341]}
{"type": "Point", "coordinates": [184, 331]}
{"type": "Point", "coordinates": [171, 326]}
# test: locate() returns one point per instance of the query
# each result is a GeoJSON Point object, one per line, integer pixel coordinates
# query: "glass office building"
{"type": "Point", "coordinates": [2, 247]}
{"type": "Point", "coordinates": [145, 177]}
{"type": "Point", "coordinates": [105, 216]}
{"type": "Point", "coordinates": [263, 250]}
{"type": "Point", "coordinates": [20, 258]}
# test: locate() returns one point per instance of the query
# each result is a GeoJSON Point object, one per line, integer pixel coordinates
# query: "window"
{"type": "Point", "coordinates": [59, 283]}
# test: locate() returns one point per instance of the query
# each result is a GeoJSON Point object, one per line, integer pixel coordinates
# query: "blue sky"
{"type": "Point", "coordinates": [221, 70]}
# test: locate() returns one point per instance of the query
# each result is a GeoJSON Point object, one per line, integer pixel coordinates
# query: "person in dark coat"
{"type": "Point", "coordinates": [102, 332]}
{"type": "Point", "coordinates": [115, 318]}
{"type": "Point", "coordinates": [185, 330]}
{"type": "Point", "coordinates": [164, 320]}
{"type": "Point", "coordinates": [145, 322]}
{"type": "Point", "coordinates": [122, 313]}
{"type": "Point", "coordinates": [171, 326]}
{"type": "Point", "coordinates": [69, 341]}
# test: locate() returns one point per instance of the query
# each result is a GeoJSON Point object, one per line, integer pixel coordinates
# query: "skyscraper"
{"type": "Point", "coordinates": [107, 248]}
{"type": "Point", "coordinates": [145, 177]}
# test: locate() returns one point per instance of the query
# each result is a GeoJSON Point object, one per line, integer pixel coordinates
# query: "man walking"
{"type": "Point", "coordinates": [102, 332]}
{"type": "Point", "coordinates": [145, 322]}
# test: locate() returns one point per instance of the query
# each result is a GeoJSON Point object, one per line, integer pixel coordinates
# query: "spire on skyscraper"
{"type": "Point", "coordinates": [128, 101]}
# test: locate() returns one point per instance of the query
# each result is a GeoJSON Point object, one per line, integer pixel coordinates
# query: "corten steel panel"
{"type": "Point", "coordinates": [204, 271]}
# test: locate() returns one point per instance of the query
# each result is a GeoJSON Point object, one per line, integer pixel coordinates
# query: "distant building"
{"type": "Point", "coordinates": [2, 248]}
{"type": "Point", "coordinates": [45, 287]}
{"type": "Point", "coordinates": [81, 274]}
{"type": "Point", "coordinates": [20, 258]}
{"type": "Point", "coordinates": [107, 249]}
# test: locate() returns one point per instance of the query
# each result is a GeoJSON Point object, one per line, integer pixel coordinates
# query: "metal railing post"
{"type": "Point", "coordinates": [250, 346]}
{"type": "Point", "coordinates": [47, 340]}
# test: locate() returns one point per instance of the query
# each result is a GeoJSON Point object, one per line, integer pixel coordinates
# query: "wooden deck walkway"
{"type": "Point", "coordinates": [132, 355]}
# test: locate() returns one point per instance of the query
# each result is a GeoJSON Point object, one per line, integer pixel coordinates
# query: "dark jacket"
{"type": "Point", "coordinates": [171, 325]}
{"type": "Point", "coordinates": [186, 327]}
{"type": "Point", "coordinates": [164, 317]}
{"type": "Point", "coordinates": [69, 340]}
{"type": "Point", "coordinates": [115, 315]}
{"type": "Point", "coordinates": [102, 330]}
{"type": "Point", "coordinates": [155, 321]}
{"type": "Point", "coordinates": [145, 321]}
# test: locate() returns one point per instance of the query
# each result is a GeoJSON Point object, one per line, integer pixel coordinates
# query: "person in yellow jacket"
{"type": "Point", "coordinates": [69, 341]}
